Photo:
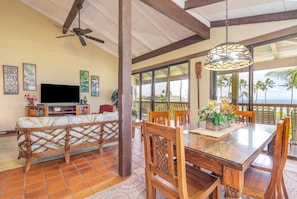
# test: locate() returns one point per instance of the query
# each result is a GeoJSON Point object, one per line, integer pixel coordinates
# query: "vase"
{"type": "Point", "coordinates": [212, 126]}
{"type": "Point", "coordinates": [30, 103]}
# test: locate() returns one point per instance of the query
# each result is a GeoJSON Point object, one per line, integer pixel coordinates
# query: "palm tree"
{"type": "Point", "coordinates": [221, 82]}
{"type": "Point", "coordinates": [268, 83]}
{"type": "Point", "coordinates": [290, 86]}
{"type": "Point", "coordinates": [242, 84]}
{"type": "Point", "coordinates": [229, 84]}
{"type": "Point", "coordinates": [289, 75]}
{"type": "Point", "coordinates": [243, 94]}
{"type": "Point", "coordinates": [258, 85]}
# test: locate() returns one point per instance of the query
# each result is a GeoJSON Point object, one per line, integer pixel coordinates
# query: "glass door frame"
{"type": "Point", "coordinates": [153, 89]}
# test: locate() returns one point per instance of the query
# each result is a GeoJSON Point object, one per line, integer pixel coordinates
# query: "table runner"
{"type": "Point", "coordinates": [219, 133]}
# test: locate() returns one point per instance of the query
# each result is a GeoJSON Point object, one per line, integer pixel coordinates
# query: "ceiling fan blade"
{"type": "Point", "coordinates": [82, 41]}
{"type": "Point", "coordinates": [85, 31]}
{"type": "Point", "coordinates": [65, 36]}
{"type": "Point", "coordinates": [93, 38]}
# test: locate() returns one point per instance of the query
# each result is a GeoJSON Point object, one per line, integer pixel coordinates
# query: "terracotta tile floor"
{"type": "Point", "coordinates": [84, 175]}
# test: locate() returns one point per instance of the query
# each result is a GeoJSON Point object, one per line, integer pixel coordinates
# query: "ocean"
{"type": "Point", "coordinates": [271, 101]}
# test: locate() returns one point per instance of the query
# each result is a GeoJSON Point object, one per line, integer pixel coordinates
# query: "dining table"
{"type": "Point", "coordinates": [227, 155]}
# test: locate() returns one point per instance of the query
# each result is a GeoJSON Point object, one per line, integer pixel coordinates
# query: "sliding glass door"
{"type": "Point", "coordinates": [161, 89]}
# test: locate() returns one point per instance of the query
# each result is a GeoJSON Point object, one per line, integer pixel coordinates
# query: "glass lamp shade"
{"type": "Point", "coordinates": [228, 56]}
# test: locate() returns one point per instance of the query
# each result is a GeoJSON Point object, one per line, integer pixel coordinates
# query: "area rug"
{"type": "Point", "coordinates": [291, 183]}
{"type": "Point", "coordinates": [134, 188]}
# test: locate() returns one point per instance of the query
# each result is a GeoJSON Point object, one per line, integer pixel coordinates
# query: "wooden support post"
{"type": "Point", "coordinates": [125, 98]}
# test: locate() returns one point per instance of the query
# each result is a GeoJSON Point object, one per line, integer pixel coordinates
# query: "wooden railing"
{"type": "Point", "coordinates": [265, 113]}
{"type": "Point", "coordinates": [270, 112]}
{"type": "Point", "coordinates": [161, 106]}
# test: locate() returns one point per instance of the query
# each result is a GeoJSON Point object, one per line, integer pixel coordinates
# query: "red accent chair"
{"type": "Point", "coordinates": [107, 108]}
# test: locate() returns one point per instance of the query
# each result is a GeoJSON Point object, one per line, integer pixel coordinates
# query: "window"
{"type": "Point", "coordinates": [269, 86]}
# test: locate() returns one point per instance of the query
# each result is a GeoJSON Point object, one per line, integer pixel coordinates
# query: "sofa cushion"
{"type": "Point", "coordinates": [31, 122]}
{"type": "Point", "coordinates": [80, 119]}
{"type": "Point", "coordinates": [109, 116]}
{"type": "Point", "coordinates": [98, 117]}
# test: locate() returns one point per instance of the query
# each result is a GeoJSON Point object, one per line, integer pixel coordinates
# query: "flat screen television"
{"type": "Point", "coordinates": [56, 93]}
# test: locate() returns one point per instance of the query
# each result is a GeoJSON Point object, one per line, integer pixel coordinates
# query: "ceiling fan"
{"type": "Point", "coordinates": [81, 33]}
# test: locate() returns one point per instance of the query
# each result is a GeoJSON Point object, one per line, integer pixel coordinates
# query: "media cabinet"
{"type": "Point", "coordinates": [57, 110]}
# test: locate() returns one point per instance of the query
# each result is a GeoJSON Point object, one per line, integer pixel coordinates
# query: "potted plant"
{"type": "Point", "coordinates": [115, 98]}
{"type": "Point", "coordinates": [134, 114]}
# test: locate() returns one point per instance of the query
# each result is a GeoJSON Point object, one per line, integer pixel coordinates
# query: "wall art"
{"type": "Point", "coordinates": [10, 80]}
{"type": "Point", "coordinates": [94, 85]}
{"type": "Point", "coordinates": [29, 73]}
{"type": "Point", "coordinates": [84, 81]}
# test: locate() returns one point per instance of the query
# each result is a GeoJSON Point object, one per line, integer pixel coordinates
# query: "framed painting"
{"type": "Point", "coordinates": [94, 85]}
{"type": "Point", "coordinates": [84, 81]}
{"type": "Point", "coordinates": [10, 80]}
{"type": "Point", "coordinates": [29, 73]}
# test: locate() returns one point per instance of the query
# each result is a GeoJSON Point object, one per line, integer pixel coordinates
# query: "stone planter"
{"type": "Point", "coordinates": [211, 126]}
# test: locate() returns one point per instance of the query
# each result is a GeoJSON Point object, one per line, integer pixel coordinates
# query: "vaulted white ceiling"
{"type": "Point", "coordinates": [154, 29]}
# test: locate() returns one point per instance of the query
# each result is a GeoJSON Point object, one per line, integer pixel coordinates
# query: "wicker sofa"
{"type": "Point", "coordinates": [45, 136]}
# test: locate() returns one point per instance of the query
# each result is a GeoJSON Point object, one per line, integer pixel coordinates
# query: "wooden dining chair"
{"type": "Point", "coordinates": [293, 115]}
{"type": "Point", "coordinates": [166, 169]}
{"type": "Point", "coordinates": [181, 117]}
{"type": "Point", "coordinates": [265, 161]}
{"type": "Point", "coordinates": [160, 117]}
{"type": "Point", "coordinates": [260, 183]}
{"type": "Point", "coordinates": [246, 117]}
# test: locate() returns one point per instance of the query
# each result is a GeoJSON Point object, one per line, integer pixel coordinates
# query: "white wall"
{"type": "Point", "coordinates": [29, 37]}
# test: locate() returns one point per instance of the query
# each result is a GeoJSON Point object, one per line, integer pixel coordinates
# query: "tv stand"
{"type": "Point", "coordinates": [57, 110]}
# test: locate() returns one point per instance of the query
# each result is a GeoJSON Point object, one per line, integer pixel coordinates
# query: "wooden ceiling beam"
{"type": "Point", "coordinates": [275, 51]}
{"type": "Point", "coordinates": [257, 19]}
{"type": "Point", "coordinates": [71, 16]}
{"type": "Point", "coordinates": [171, 47]}
{"type": "Point", "coordinates": [189, 4]}
{"type": "Point", "coordinates": [180, 16]}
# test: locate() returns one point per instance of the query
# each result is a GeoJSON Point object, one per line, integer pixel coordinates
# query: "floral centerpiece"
{"type": "Point", "coordinates": [30, 99]}
{"type": "Point", "coordinates": [218, 115]}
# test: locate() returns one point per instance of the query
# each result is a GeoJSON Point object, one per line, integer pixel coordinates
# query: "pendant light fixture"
{"type": "Point", "coordinates": [228, 55]}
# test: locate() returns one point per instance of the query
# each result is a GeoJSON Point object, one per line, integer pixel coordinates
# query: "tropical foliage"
{"type": "Point", "coordinates": [115, 98]}
{"type": "Point", "coordinates": [242, 85]}
{"type": "Point", "coordinates": [263, 86]}
{"type": "Point", "coordinates": [290, 78]}
{"type": "Point", "coordinates": [224, 81]}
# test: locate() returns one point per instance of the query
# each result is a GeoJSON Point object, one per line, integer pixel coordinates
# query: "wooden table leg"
{"type": "Point", "coordinates": [133, 131]}
{"type": "Point", "coordinates": [233, 181]}
{"type": "Point", "coordinates": [139, 125]}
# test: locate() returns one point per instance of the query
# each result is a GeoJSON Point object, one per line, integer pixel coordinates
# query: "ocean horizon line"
{"type": "Point", "coordinates": [270, 101]}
